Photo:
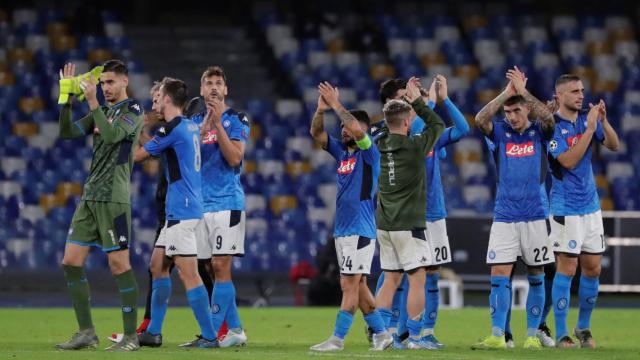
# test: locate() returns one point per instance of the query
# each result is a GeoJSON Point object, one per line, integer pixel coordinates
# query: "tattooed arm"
{"type": "Point", "coordinates": [485, 115]}
{"type": "Point", "coordinates": [330, 96]}
{"type": "Point", "coordinates": [539, 111]}
{"type": "Point", "coordinates": [317, 123]}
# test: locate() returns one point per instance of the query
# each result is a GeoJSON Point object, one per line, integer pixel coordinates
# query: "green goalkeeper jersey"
{"type": "Point", "coordinates": [402, 191]}
{"type": "Point", "coordinates": [118, 128]}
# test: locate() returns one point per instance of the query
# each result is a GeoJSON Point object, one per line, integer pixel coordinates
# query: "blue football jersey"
{"type": "Point", "coordinates": [179, 143]}
{"type": "Point", "coordinates": [357, 175]}
{"type": "Point", "coordinates": [573, 192]}
{"type": "Point", "coordinates": [521, 165]}
{"type": "Point", "coordinates": [221, 187]}
{"type": "Point", "coordinates": [436, 209]}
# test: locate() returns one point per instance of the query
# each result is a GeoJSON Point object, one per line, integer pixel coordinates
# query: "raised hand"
{"type": "Point", "coordinates": [215, 108]}
{"type": "Point", "coordinates": [517, 79]}
{"type": "Point", "coordinates": [433, 95]}
{"type": "Point", "coordinates": [330, 94]}
{"type": "Point", "coordinates": [592, 117]}
{"type": "Point", "coordinates": [413, 90]}
{"type": "Point", "coordinates": [68, 71]}
{"type": "Point", "coordinates": [89, 87]}
{"type": "Point", "coordinates": [442, 87]}
{"type": "Point", "coordinates": [322, 104]}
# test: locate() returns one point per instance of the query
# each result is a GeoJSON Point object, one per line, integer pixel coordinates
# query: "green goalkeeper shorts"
{"type": "Point", "coordinates": [106, 225]}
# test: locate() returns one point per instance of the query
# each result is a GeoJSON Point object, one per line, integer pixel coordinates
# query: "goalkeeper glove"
{"type": "Point", "coordinates": [72, 86]}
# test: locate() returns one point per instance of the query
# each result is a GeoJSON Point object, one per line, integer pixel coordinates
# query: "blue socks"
{"type": "Point", "coordinates": [403, 316]}
{"type": "Point", "coordinates": [385, 314]}
{"type": "Point", "coordinates": [548, 303]}
{"type": "Point", "coordinates": [535, 303]}
{"type": "Point", "coordinates": [499, 303]}
{"type": "Point", "coordinates": [588, 294]}
{"type": "Point", "coordinates": [199, 302]}
{"type": "Point", "coordinates": [233, 318]}
{"type": "Point", "coordinates": [432, 297]}
{"type": "Point", "coordinates": [223, 296]}
{"type": "Point", "coordinates": [415, 328]}
{"type": "Point", "coordinates": [507, 324]}
{"type": "Point", "coordinates": [561, 296]}
{"type": "Point", "coordinates": [343, 323]}
{"type": "Point", "coordinates": [160, 293]}
{"type": "Point", "coordinates": [375, 321]}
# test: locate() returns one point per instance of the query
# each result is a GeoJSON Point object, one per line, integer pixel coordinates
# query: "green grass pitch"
{"type": "Point", "coordinates": [287, 333]}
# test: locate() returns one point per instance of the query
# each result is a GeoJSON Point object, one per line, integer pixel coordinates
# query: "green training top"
{"type": "Point", "coordinates": [402, 192]}
{"type": "Point", "coordinates": [119, 127]}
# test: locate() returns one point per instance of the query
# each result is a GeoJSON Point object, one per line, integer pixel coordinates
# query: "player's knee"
{"type": "Point", "coordinates": [567, 264]}
{"type": "Point", "coordinates": [591, 271]}
{"type": "Point", "coordinates": [118, 264]}
{"type": "Point", "coordinates": [535, 270]}
{"type": "Point", "coordinates": [349, 284]}
{"type": "Point", "coordinates": [222, 266]}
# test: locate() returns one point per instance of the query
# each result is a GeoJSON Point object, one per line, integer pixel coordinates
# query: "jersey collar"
{"type": "Point", "coordinates": [120, 103]}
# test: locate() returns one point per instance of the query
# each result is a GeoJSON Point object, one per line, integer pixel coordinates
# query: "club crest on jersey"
{"type": "Point", "coordinates": [347, 166]}
{"type": "Point", "coordinates": [532, 133]}
{"type": "Point", "coordinates": [573, 140]}
{"type": "Point", "coordinates": [508, 135]}
{"type": "Point", "coordinates": [520, 150]}
{"type": "Point", "coordinates": [226, 123]}
{"type": "Point", "coordinates": [211, 137]}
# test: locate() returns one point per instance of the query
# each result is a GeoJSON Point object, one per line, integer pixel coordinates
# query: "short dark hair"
{"type": "Point", "coordinates": [213, 71]}
{"type": "Point", "coordinates": [177, 91]}
{"type": "Point", "coordinates": [516, 99]}
{"type": "Point", "coordinates": [361, 116]}
{"type": "Point", "coordinates": [566, 78]}
{"type": "Point", "coordinates": [115, 66]}
{"type": "Point", "coordinates": [389, 88]}
{"type": "Point", "coordinates": [395, 110]}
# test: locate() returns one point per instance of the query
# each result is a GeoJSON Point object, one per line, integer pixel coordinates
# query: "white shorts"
{"type": "Point", "coordinates": [221, 233]}
{"type": "Point", "coordinates": [578, 234]}
{"type": "Point", "coordinates": [403, 250]}
{"type": "Point", "coordinates": [438, 242]}
{"type": "Point", "coordinates": [528, 239]}
{"type": "Point", "coordinates": [355, 254]}
{"type": "Point", "coordinates": [178, 238]}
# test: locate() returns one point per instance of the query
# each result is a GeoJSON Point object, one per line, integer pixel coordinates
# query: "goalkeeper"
{"type": "Point", "coordinates": [103, 217]}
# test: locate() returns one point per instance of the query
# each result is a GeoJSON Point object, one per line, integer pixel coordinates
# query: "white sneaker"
{"type": "Point", "coordinates": [334, 343]}
{"type": "Point", "coordinates": [545, 339]}
{"type": "Point", "coordinates": [381, 341]}
{"type": "Point", "coordinates": [510, 344]}
{"type": "Point", "coordinates": [235, 337]}
{"type": "Point", "coordinates": [116, 337]}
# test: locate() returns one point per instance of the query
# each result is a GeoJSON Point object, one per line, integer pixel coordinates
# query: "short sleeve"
{"type": "Point", "coordinates": [498, 131]}
{"type": "Point", "coordinates": [334, 147]}
{"type": "Point", "coordinates": [160, 141]}
{"type": "Point", "coordinates": [558, 144]}
{"type": "Point", "coordinates": [239, 129]}
{"type": "Point", "coordinates": [197, 118]}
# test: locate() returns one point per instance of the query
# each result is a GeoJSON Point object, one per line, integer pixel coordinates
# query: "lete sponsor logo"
{"type": "Point", "coordinates": [573, 140]}
{"type": "Point", "coordinates": [211, 137]}
{"type": "Point", "coordinates": [520, 150]}
{"type": "Point", "coordinates": [347, 166]}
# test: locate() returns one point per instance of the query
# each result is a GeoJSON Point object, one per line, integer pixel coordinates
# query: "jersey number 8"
{"type": "Point", "coordinates": [196, 147]}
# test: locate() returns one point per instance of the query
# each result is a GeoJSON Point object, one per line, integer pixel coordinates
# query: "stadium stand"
{"type": "Point", "coordinates": [290, 185]}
